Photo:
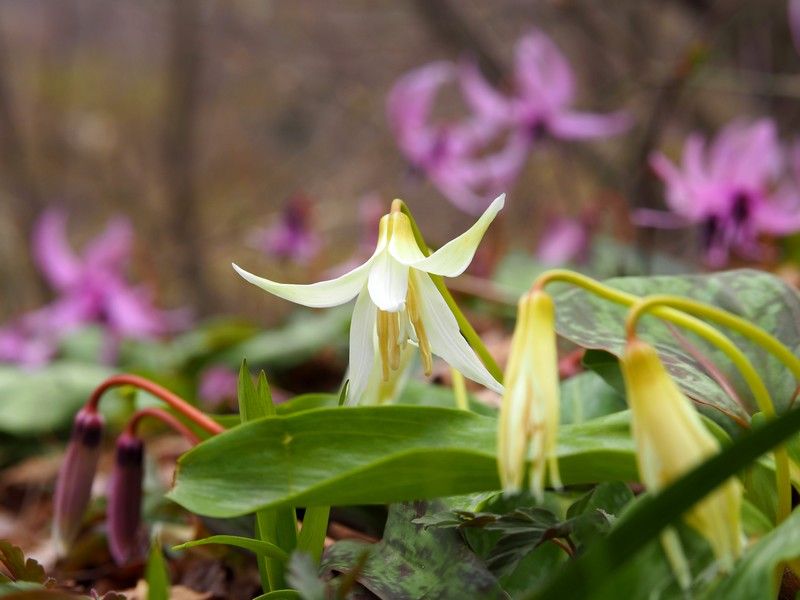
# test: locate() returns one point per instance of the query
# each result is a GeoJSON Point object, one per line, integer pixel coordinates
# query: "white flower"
{"type": "Point", "coordinates": [397, 302]}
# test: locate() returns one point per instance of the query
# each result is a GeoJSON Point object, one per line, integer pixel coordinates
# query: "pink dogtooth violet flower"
{"type": "Point", "coordinates": [74, 483]}
{"type": "Point", "coordinates": [292, 236]}
{"type": "Point", "coordinates": [736, 188]}
{"type": "Point", "coordinates": [397, 302]}
{"type": "Point", "coordinates": [92, 288]}
{"type": "Point", "coordinates": [123, 513]}
{"type": "Point", "coordinates": [452, 155]}
{"type": "Point", "coordinates": [541, 97]}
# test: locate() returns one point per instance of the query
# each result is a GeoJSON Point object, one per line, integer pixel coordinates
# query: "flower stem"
{"type": "Point", "coordinates": [164, 417]}
{"type": "Point", "coordinates": [742, 363]}
{"type": "Point", "coordinates": [173, 400]}
{"type": "Point", "coordinates": [469, 333]}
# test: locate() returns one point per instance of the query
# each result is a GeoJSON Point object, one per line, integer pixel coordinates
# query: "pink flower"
{"type": "Point", "coordinates": [564, 241]}
{"type": "Point", "coordinates": [217, 385]}
{"type": "Point", "coordinates": [737, 187]}
{"type": "Point", "coordinates": [292, 236]}
{"type": "Point", "coordinates": [92, 288]}
{"type": "Point", "coordinates": [541, 97]}
{"type": "Point", "coordinates": [453, 155]}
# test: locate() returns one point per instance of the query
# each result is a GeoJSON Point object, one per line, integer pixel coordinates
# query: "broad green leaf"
{"type": "Point", "coordinates": [46, 399]}
{"type": "Point", "coordinates": [414, 562]}
{"type": "Point", "coordinates": [258, 547]}
{"type": "Point", "coordinates": [375, 455]}
{"type": "Point", "coordinates": [586, 396]}
{"type": "Point", "coordinates": [760, 297]}
{"type": "Point", "coordinates": [651, 514]}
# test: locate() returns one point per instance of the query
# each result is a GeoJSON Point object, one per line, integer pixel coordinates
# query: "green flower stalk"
{"type": "Point", "coordinates": [529, 414]}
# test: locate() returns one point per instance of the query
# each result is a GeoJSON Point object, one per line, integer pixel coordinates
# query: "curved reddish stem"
{"type": "Point", "coordinates": [175, 401]}
{"type": "Point", "coordinates": [165, 417]}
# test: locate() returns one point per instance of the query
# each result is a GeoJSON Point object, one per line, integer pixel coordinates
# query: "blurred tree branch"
{"type": "Point", "coordinates": [455, 30]}
{"type": "Point", "coordinates": [180, 140]}
{"type": "Point", "coordinates": [25, 201]}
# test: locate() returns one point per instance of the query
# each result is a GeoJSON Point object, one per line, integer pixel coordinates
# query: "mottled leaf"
{"type": "Point", "coordinates": [412, 562]}
{"type": "Point", "coordinates": [760, 297]}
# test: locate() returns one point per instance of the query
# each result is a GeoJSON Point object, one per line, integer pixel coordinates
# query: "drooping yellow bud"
{"type": "Point", "coordinates": [671, 440]}
{"type": "Point", "coordinates": [529, 415]}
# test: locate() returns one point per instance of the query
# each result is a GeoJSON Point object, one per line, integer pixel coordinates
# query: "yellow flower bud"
{"type": "Point", "coordinates": [671, 440]}
{"type": "Point", "coordinates": [529, 414]}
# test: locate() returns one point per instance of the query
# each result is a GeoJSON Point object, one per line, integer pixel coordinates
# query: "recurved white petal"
{"type": "Point", "coordinates": [454, 257]}
{"type": "Point", "coordinates": [388, 282]}
{"type": "Point", "coordinates": [444, 336]}
{"type": "Point", "coordinates": [316, 295]}
{"type": "Point", "coordinates": [362, 346]}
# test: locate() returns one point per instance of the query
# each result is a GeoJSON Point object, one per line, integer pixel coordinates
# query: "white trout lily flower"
{"type": "Point", "coordinates": [397, 302]}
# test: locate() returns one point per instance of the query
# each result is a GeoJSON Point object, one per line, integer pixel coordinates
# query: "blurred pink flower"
{"type": "Point", "coordinates": [565, 241]}
{"type": "Point", "coordinates": [741, 185]}
{"type": "Point", "coordinates": [541, 97]}
{"type": "Point", "coordinates": [292, 236]}
{"type": "Point", "coordinates": [453, 155]}
{"type": "Point", "coordinates": [92, 288]}
{"type": "Point", "coordinates": [217, 386]}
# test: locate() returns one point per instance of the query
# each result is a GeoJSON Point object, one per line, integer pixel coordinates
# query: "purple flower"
{"type": "Point", "coordinates": [92, 288]}
{"type": "Point", "coordinates": [453, 155]}
{"type": "Point", "coordinates": [739, 186]}
{"type": "Point", "coordinates": [565, 241]}
{"type": "Point", "coordinates": [217, 385]}
{"type": "Point", "coordinates": [292, 237]}
{"type": "Point", "coordinates": [541, 97]}
{"type": "Point", "coordinates": [74, 484]}
{"type": "Point", "coordinates": [123, 514]}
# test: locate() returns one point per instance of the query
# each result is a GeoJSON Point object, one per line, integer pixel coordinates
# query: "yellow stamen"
{"type": "Point", "coordinates": [383, 342]}
{"type": "Point", "coordinates": [412, 306]}
{"type": "Point", "coordinates": [394, 340]}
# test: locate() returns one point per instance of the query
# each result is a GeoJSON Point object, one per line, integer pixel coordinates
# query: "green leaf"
{"type": "Point", "coordinates": [276, 527]}
{"type": "Point", "coordinates": [286, 594]}
{"type": "Point", "coordinates": [156, 573]}
{"type": "Point", "coordinates": [760, 297]}
{"type": "Point", "coordinates": [651, 514]}
{"type": "Point", "coordinates": [375, 455]}
{"type": "Point", "coordinates": [413, 562]}
{"type": "Point", "coordinates": [586, 396]}
{"type": "Point", "coordinates": [258, 547]}
{"type": "Point", "coordinates": [46, 399]}
{"type": "Point", "coordinates": [757, 574]}
{"type": "Point", "coordinates": [19, 567]}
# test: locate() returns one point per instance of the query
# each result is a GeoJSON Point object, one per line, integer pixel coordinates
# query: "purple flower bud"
{"type": "Point", "coordinates": [125, 499]}
{"type": "Point", "coordinates": [74, 485]}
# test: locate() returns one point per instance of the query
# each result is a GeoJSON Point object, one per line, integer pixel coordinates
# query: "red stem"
{"type": "Point", "coordinates": [176, 402]}
{"type": "Point", "coordinates": [165, 417]}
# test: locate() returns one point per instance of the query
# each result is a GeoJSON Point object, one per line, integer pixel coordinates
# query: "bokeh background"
{"type": "Point", "coordinates": [198, 119]}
